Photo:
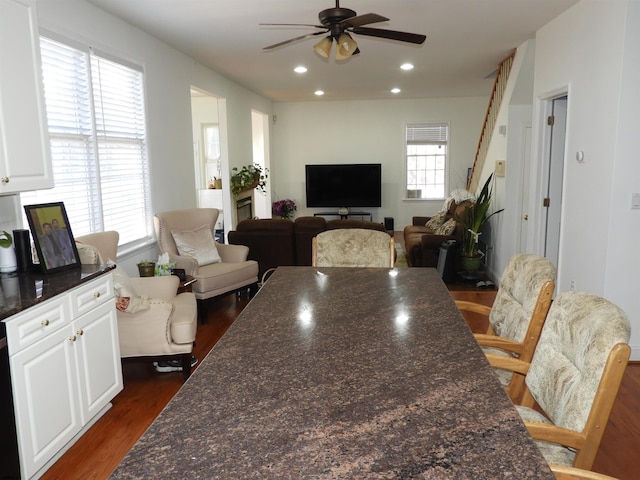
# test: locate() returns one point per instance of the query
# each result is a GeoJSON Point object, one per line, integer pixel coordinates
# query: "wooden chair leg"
{"type": "Point", "coordinates": [185, 360]}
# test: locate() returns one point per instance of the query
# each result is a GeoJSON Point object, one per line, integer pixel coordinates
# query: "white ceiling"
{"type": "Point", "coordinates": [466, 39]}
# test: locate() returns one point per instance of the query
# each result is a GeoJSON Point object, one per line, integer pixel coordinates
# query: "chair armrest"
{"type": "Point", "coordinates": [189, 264]}
{"type": "Point", "coordinates": [232, 253]}
{"type": "Point", "coordinates": [163, 288]}
{"type": "Point", "coordinates": [498, 342]}
{"type": "Point", "coordinates": [553, 433]}
{"type": "Point", "coordinates": [473, 307]}
{"type": "Point", "coordinates": [508, 363]}
{"type": "Point", "coordinates": [431, 241]}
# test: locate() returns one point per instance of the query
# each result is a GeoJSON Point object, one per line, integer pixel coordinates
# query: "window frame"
{"type": "Point", "coordinates": [434, 141]}
{"type": "Point", "coordinates": [130, 135]}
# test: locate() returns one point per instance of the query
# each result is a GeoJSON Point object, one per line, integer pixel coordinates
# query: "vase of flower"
{"type": "Point", "coordinates": [284, 208]}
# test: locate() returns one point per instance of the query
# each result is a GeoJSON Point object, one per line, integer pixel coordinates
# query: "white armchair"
{"type": "Point", "coordinates": [158, 324]}
{"type": "Point", "coordinates": [188, 237]}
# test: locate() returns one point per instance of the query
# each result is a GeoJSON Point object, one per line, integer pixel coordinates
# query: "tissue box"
{"type": "Point", "coordinates": [164, 269]}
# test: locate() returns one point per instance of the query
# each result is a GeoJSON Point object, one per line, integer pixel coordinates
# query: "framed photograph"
{"type": "Point", "coordinates": [52, 236]}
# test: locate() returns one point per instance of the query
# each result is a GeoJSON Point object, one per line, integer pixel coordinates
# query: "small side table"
{"type": "Point", "coordinates": [187, 284]}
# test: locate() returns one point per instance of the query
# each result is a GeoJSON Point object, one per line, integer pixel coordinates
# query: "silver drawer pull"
{"type": "Point", "coordinates": [80, 332]}
{"type": "Point", "coordinates": [5, 180]}
{"type": "Point", "coordinates": [44, 323]}
{"type": "Point", "coordinates": [96, 295]}
{"type": "Point", "coordinates": [72, 338]}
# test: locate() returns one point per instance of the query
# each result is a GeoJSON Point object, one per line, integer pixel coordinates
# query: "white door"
{"type": "Point", "coordinates": [98, 356]}
{"type": "Point", "coordinates": [553, 197]}
{"type": "Point", "coordinates": [46, 398]}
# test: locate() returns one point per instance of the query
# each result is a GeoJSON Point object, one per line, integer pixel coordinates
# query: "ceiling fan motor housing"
{"type": "Point", "coordinates": [335, 15]}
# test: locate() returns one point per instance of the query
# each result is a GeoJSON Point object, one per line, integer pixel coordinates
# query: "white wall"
{"type": "Point", "coordinates": [591, 51]}
{"type": "Point", "coordinates": [370, 132]}
{"type": "Point", "coordinates": [169, 76]}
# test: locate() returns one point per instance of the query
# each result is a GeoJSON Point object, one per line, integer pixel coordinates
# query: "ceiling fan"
{"type": "Point", "coordinates": [338, 23]}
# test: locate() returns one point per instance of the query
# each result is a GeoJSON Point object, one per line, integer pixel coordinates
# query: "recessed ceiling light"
{"type": "Point", "coordinates": [319, 92]}
{"type": "Point", "coordinates": [406, 66]}
{"type": "Point", "coordinates": [300, 69]}
{"type": "Point", "coordinates": [395, 90]}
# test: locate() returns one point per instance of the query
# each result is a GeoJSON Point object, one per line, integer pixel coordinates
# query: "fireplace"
{"type": "Point", "coordinates": [244, 208]}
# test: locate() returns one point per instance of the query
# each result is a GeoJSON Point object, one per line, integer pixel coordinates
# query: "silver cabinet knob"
{"type": "Point", "coordinates": [4, 180]}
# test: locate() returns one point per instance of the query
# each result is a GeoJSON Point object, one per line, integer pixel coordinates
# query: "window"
{"type": "Point", "coordinates": [97, 129]}
{"type": "Point", "coordinates": [426, 150]}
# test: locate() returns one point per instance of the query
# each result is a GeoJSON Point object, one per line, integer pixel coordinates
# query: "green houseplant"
{"type": "Point", "coordinates": [472, 221]}
{"type": "Point", "coordinates": [248, 178]}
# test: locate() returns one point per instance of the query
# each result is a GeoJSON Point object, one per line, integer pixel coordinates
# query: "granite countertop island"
{"type": "Point", "coordinates": [341, 373]}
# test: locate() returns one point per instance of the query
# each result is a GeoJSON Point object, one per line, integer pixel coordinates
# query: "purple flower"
{"type": "Point", "coordinates": [284, 208]}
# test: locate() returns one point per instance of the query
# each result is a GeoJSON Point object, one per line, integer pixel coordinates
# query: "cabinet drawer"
{"type": "Point", "coordinates": [24, 329]}
{"type": "Point", "coordinates": [91, 295]}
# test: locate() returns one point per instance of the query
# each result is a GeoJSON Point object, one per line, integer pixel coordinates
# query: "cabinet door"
{"type": "Point", "coordinates": [45, 389]}
{"type": "Point", "coordinates": [25, 160]}
{"type": "Point", "coordinates": [98, 350]}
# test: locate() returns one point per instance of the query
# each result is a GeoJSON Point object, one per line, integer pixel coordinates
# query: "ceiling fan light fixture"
{"type": "Point", "coordinates": [346, 47]}
{"type": "Point", "coordinates": [323, 47]}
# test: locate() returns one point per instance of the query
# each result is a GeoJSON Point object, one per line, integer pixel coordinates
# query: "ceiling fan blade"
{"type": "Point", "coordinates": [291, 40]}
{"type": "Point", "coordinates": [391, 34]}
{"type": "Point", "coordinates": [290, 25]}
{"type": "Point", "coordinates": [365, 19]}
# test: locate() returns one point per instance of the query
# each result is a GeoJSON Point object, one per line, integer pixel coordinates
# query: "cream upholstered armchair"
{"type": "Point", "coordinates": [187, 236]}
{"type": "Point", "coordinates": [518, 313]}
{"type": "Point", "coordinates": [353, 247]}
{"type": "Point", "coordinates": [154, 322]}
{"type": "Point", "coordinates": [573, 378]}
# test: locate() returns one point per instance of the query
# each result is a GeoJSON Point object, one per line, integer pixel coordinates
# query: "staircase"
{"type": "Point", "coordinates": [495, 102]}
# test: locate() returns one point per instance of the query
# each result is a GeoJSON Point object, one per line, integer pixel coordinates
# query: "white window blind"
{"type": "Point", "coordinates": [426, 160]}
{"type": "Point", "coordinates": [97, 129]}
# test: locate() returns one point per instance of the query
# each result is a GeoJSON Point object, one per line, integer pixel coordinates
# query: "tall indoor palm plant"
{"type": "Point", "coordinates": [472, 221]}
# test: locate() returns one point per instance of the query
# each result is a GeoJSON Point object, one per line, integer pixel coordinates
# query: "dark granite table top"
{"type": "Point", "coordinates": [19, 291]}
{"type": "Point", "coordinates": [341, 373]}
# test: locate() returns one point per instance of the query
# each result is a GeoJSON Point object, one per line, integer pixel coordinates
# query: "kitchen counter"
{"type": "Point", "coordinates": [19, 291]}
{"type": "Point", "coordinates": [349, 373]}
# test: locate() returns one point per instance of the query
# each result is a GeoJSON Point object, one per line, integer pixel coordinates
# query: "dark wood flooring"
{"type": "Point", "coordinates": [146, 393]}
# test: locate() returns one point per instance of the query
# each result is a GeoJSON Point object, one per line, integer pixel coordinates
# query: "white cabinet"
{"type": "Point", "coordinates": [65, 369]}
{"type": "Point", "coordinates": [25, 160]}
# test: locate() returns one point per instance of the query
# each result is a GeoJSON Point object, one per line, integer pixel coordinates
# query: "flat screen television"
{"type": "Point", "coordinates": [344, 185]}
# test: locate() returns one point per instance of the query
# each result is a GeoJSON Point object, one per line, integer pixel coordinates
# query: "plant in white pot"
{"type": "Point", "coordinates": [8, 262]}
{"type": "Point", "coordinates": [472, 221]}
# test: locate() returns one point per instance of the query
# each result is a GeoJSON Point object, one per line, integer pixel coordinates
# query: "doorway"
{"type": "Point", "coordinates": [260, 138]}
{"type": "Point", "coordinates": [554, 163]}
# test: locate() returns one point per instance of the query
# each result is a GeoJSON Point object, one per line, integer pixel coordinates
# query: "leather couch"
{"type": "Point", "coordinates": [422, 244]}
{"type": "Point", "coordinates": [275, 242]}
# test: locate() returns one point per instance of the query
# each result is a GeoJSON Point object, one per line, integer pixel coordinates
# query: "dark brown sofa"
{"type": "Point", "coordinates": [423, 245]}
{"type": "Point", "coordinates": [275, 242]}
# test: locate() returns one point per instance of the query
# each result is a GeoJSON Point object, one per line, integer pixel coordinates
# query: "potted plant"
{"type": "Point", "coordinates": [472, 221]}
{"type": "Point", "coordinates": [284, 208]}
{"type": "Point", "coordinates": [7, 253]}
{"type": "Point", "coordinates": [248, 178]}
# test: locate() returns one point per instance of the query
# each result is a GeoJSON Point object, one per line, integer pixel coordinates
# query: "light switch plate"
{"type": "Point", "coordinates": [635, 201]}
{"type": "Point", "coordinates": [500, 166]}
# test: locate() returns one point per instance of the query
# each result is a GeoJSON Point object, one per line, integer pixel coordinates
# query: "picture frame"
{"type": "Point", "coordinates": [52, 236]}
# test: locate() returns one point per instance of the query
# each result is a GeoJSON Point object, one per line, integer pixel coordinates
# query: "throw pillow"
{"type": "Point", "coordinates": [88, 254]}
{"type": "Point", "coordinates": [198, 243]}
{"type": "Point", "coordinates": [447, 228]}
{"type": "Point", "coordinates": [437, 220]}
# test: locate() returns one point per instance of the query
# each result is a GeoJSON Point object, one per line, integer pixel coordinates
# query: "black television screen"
{"type": "Point", "coordinates": [344, 185]}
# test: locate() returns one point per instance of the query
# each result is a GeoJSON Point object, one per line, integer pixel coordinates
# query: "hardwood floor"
{"type": "Point", "coordinates": [146, 393]}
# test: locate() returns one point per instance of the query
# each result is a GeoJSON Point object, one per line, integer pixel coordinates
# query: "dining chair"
{"type": "Point", "coordinates": [353, 247]}
{"type": "Point", "coordinates": [518, 313]}
{"type": "Point", "coordinates": [562, 472]}
{"type": "Point", "coordinates": [573, 378]}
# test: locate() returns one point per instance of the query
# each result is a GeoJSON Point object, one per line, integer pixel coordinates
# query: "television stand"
{"type": "Point", "coordinates": [344, 216]}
